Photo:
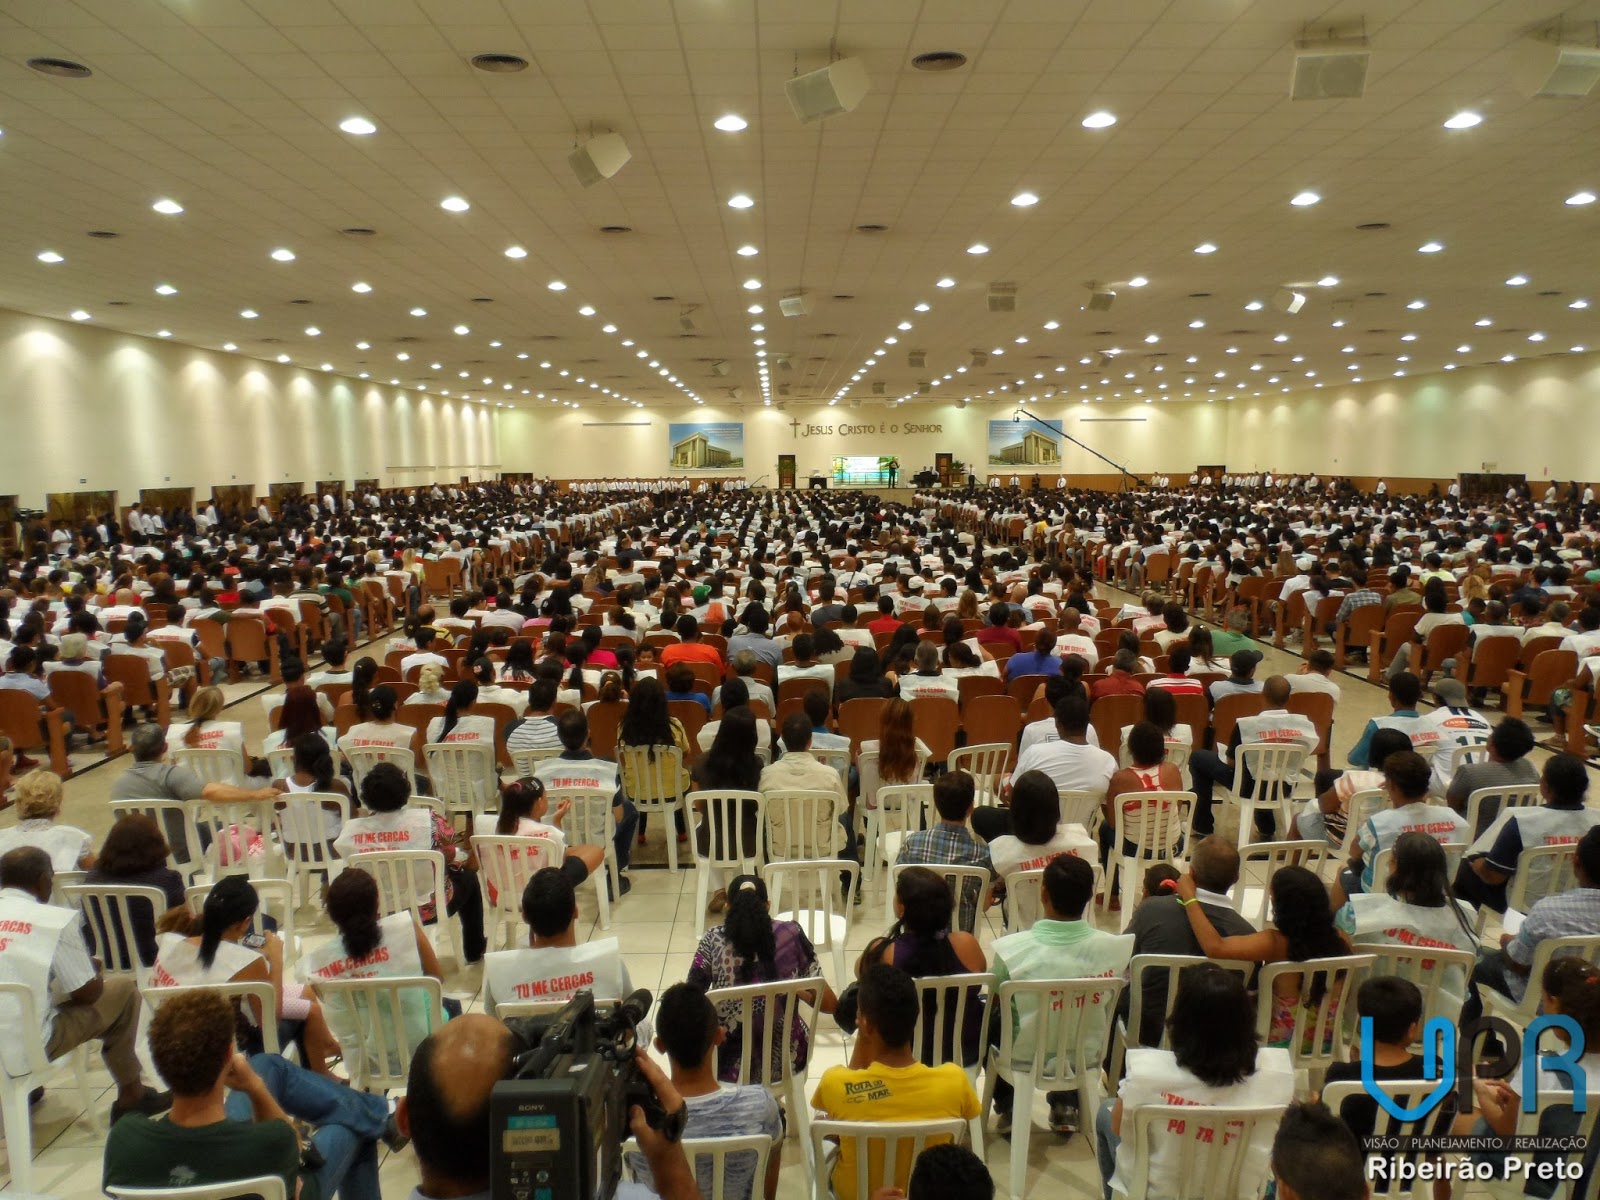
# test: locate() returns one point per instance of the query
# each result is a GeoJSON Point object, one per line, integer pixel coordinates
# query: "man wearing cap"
{"type": "Point", "coordinates": [1458, 727]}
{"type": "Point", "coordinates": [1242, 679]}
{"type": "Point", "coordinates": [1275, 724]}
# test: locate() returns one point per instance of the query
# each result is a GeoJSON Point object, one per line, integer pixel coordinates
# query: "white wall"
{"type": "Point", "coordinates": [1540, 418]}
{"type": "Point", "coordinates": [89, 408]}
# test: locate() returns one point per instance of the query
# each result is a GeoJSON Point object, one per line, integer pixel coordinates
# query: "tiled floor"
{"type": "Point", "coordinates": [67, 1145]}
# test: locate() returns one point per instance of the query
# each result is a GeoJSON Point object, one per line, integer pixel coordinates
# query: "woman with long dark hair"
{"type": "Point", "coordinates": [363, 677]}
{"type": "Point", "coordinates": [135, 855]}
{"type": "Point", "coordinates": [750, 947]}
{"type": "Point", "coordinates": [379, 730]}
{"type": "Point", "coordinates": [1214, 1060]}
{"type": "Point", "coordinates": [730, 764]}
{"type": "Point", "coordinates": [866, 678]}
{"type": "Point", "coordinates": [1303, 929]}
{"type": "Point", "coordinates": [648, 724]}
{"type": "Point", "coordinates": [458, 724]}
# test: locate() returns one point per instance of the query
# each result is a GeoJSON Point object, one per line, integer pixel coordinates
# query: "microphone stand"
{"type": "Point", "coordinates": [1125, 476]}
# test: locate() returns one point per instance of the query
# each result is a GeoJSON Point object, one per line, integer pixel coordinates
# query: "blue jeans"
{"type": "Point", "coordinates": [349, 1123]}
{"type": "Point", "coordinates": [1106, 1143]}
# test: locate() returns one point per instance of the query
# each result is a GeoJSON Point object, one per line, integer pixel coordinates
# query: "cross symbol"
{"type": "Point", "coordinates": [795, 425]}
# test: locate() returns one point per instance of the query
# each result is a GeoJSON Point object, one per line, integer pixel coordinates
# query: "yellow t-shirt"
{"type": "Point", "coordinates": [880, 1093]}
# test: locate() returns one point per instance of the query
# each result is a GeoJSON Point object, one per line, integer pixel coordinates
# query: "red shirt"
{"type": "Point", "coordinates": [691, 652]}
{"type": "Point", "coordinates": [999, 633]}
{"type": "Point", "coordinates": [1116, 684]}
{"type": "Point", "coordinates": [884, 624]}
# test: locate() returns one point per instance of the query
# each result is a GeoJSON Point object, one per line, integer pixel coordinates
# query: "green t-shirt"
{"type": "Point", "coordinates": [1224, 642]}
{"type": "Point", "coordinates": [149, 1152]}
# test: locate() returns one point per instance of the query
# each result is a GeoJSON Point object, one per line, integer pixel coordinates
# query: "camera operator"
{"type": "Point", "coordinates": [445, 1112]}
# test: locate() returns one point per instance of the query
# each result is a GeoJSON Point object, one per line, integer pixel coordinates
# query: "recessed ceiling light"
{"type": "Point", "coordinates": [1483, 321]}
{"type": "Point", "coordinates": [1508, 358]}
{"type": "Point", "coordinates": [1206, 248]}
{"type": "Point", "coordinates": [1408, 337]}
{"type": "Point", "coordinates": [1579, 304]}
{"type": "Point", "coordinates": [1328, 281]}
{"type": "Point", "coordinates": [516, 252]}
{"type": "Point", "coordinates": [1100, 119]}
{"type": "Point", "coordinates": [363, 345]}
{"type": "Point", "coordinates": [1138, 281]}
{"type": "Point", "coordinates": [1516, 281]}
{"type": "Point", "coordinates": [419, 312]}
{"type": "Point", "coordinates": [1253, 306]}
{"type": "Point", "coordinates": [1578, 199]}
{"type": "Point", "coordinates": [454, 204]}
{"type": "Point", "coordinates": [731, 123]}
{"type": "Point", "coordinates": [1197, 324]}
{"type": "Point", "coordinates": [283, 254]}
{"type": "Point", "coordinates": [1430, 247]}
{"type": "Point", "coordinates": [1463, 120]}
{"type": "Point", "coordinates": [946, 282]}
{"type": "Point", "coordinates": [755, 310]}
{"type": "Point", "coordinates": [50, 256]}
{"type": "Point", "coordinates": [1536, 337]}
{"type": "Point", "coordinates": [747, 251]}
{"type": "Point", "coordinates": [359, 126]}
{"type": "Point", "coordinates": [923, 307]}
{"type": "Point", "coordinates": [363, 288]}
{"type": "Point", "coordinates": [1464, 348]}
{"type": "Point", "coordinates": [169, 208]}
{"type": "Point", "coordinates": [462, 331]}
{"type": "Point", "coordinates": [1152, 338]}
{"type": "Point", "coordinates": [313, 331]}
{"type": "Point", "coordinates": [977, 248]}
{"type": "Point", "coordinates": [1577, 349]}
{"type": "Point", "coordinates": [1280, 337]}
{"type": "Point", "coordinates": [283, 358]}
{"type": "Point", "coordinates": [740, 200]}
{"type": "Point", "coordinates": [555, 285]}
{"type": "Point", "coordinates": [166, 289]}
{"type": "Point", "coordinates": [163, 333]}
{"type": "Point", "coordinates": [1024, 200]}
{"type": "Point", "coordinates": [249, 314]}
{"type": "Point", "coordinates": [1304, 199]}
{"type": "Point", "coordinates": [1052, 324]}
{"type": "Point", "coordinates": [1417, 304]}
{"type": "Point", "coordinates": [586, 311]}
{"type": "Point", "coordinates": [752, 285]}
{"type": "Point", "coordinates": [229, 347]}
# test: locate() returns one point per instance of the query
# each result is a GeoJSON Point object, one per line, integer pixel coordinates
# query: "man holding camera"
{"type": "Point", "coordinates": [445, 1112]}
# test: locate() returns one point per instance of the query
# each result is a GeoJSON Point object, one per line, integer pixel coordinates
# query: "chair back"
{"type": "Point", "coordinates": [407, 879]}
{"type": "Point", "coordinates": [657, 774]}
{"type": "Point", "coordinates": [378, 1058]}
{"type": "Point", "coordinates": [1227, 712]}
{"type": "Point", "coordinates": [967, 885]}
{"type": "Point", "coordinates": [257, 993]}
{"type": "Point", "coordinates": [1079, 807]}
{"type": "Point", "coordinates": [1154, 822]}
{"type": "Point", "coordinates": [882, 1151]}
{"type": "Point", "coordinates": [1439, 974]}
{"type": "Point", "coordinates": [1584, 945]}
{"type": "Point", "coordinates": [604, 721]}
{"type": "Point", "coordinates": [1167, 965]}
{"type": "Point", "coordinates": [808, 892]}
{"type": "Point", "coordinates": [525, 762]}
{"type": "Point", "coordinates": [303, 820]}
{"type": "Point", "coordinates": [1541, 871]}
{"type": "Point", "coordinates": [838, 759]}
{"type": "Point", "coordinates": [725, 1168]}
{"type": "Point", "coordinates": [801, 823]}
{"type": "Point", "coordinates": [177, 822]}
{"type": "Point", "coordinates": [239, 837]}
{"type": "Point", "coordinates": [1317, 1036]}
{"type": "Point", "coordinates": [1208, 1149]}
{"type": "Point", "coordinates": [507, 863]}
{"type": "Point", "coordinates": [1109, 715]}
{"type": "Point", "coordinates": [771, 1016]}
{"type": "Point", "coordinates": [277, 901]}
{"type": "Point", "coordinates": [986, 763]}
{"type": "Point", "coordinates": [280, 762]}
{"type": "Point", "coordinates": [212, 766]}
{"type": "Point", "coordinates": [726, 847]}
{"type": "Point", "coordinates": [463, 776]}
{"type": "Point", "coordinates": [1070, 1021]}
{"type": "Point", "coordinates": [261, 1187]}
{"type": "Point", "coordinates": [1408, 1094]}
{"type": "Point", "coordinates": [871, 776]}
{"type": "Point", "coordinates": [1260, 861]}
{"type": "Point", "coordinates": [1275, 767]}
{"type": "Point", "coordinates": [936, 720]}
{"type": "Point", "coordinates": [363, 758]}
{"type": "Point", "coordinates": [859, 720]}
{"type": "Point", "coordinates": [589, 822]}
{"type": "Point", "coordinates": [1454, 852]}
{"type": "Point", "coordinates": [113, 913]}
{"type": "Point", "coordinates": [949, 1004]}
{"type": "Point", "coordinates": [903, 808]}
{"type": "Point", "coordinates": [1485, 804]}
{"type": "Point", "coordinates": [1359, 811]}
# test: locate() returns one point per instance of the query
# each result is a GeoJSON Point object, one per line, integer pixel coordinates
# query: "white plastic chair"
{"type": "Point", "coordinates": [407, 880]}
{"type": "Point", "coordinates": [267, 1187]}
{"type": "Point", "coordinates": [807, 892]}
{"type": "Point", "coordinates": [170, 815]}
{"type": "Point", "coordinates": [255, 993]}
{"type": "Point", "coordinates": [277, 902]}
{"type": "Point", "coordinates": [507, 863]}
{"type": "Point", "coordinates": [902, 808]}
{"type": "Point", "coordinates": [726, 847]}
{"type": "Point", "coordinates": [967, 885]}
{"type": "Point", "coordinates": [768, 1059]}
{"type": "Point", "coordinates": [1359, 810]}
{"type": "Point", "coordinates": [1523, 795]}
{"type": "Point", "coordinates": [590, 822]}
{"type": "Point", "coordinates": [872, 778]}
{"type": "Point", "coordinates": [1130, 1031]}
{"type": "Point", "coordinates": [212, 766]}
{"type": "Point", "coordinates": [21, 1019]}
{"type": "Point", "coordinates": [1079, 807]}
{"type": "Point", "coordinates": [657, 772]}
{"type": "Point", "coordinates": [1318, 1037]}
{"type": "Point", "coordinates": [1071, 1027]}
{"type": "Point", "coordinates": [302, 827]}
{"type": "Point", "coordinates": [280, 762]}
{"type": "Point", "coordinates": [1439, 974]}
{"type": "Point", "coordinates": [227, 828]}
{"type": "Point", "coordinates": [1273, 767]}
{"type": "Point", "coordinates": [463, 777]}
{"type": "Point", "coordinates": [1519, 1012]}
{"type": "Point", "coordinates": [1260, 862]}
{"type": "Point", "coordinates": [1541, 871]}
{"type": "Point", "coordinates": [1023, 903]}
{"type": "Point", "coordinates": [1408, 1094]}
{"type": "Point", "coordinates": [1155, 828]}
{"type": "Point", "coordinates": [986, 763]}
{"type": "Point", "coordinates": [945, 1002]}
{"type": "Point", "coordinates": [378, 1058]}
{"type": "Point", "coordinates": [1454, 852]}
{"type": "Point", "coordinates": [1529, 1124]}
{"type": "Point", "coordinates": [363, 758]}
{"type": "Point", "coordinates": [884, 1150]}
{"type": "Point", "coordinates": [1212, 1148]}
{"type": "Point", "coordinates": [710, 1160]}
{"type": "Point", "coordinates": [108, 916]}
{"type": "Point", "coordinates": [504, 1010]}
{"type": "Point", "coordinates": [804, 815]}
{"type": "Point", "coordinates": [525, 762]}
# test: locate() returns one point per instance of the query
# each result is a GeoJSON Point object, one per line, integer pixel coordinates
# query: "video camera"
{"type": "Point", "coordinates": [559, 1118]}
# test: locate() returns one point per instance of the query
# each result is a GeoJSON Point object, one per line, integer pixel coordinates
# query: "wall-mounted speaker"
{"type": "Point", "coordinates": [836, 88]}
{"type": "Point", "coordinates": [1541, 68]}
{"type": "Point", "coordinates": [794, 304]}
{"type": "Point", "coordinates": [601, 157]}
{"type": "Point", "coordinates": [1330, 70]}
{"type": "Point", "coordinates": [916, 358]}
{"type": "Point", "coordinates": [1002, 297]}
{"type": "Point", "coordinates": [1101, 299]}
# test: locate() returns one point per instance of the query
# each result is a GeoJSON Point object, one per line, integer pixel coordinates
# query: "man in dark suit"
{"type": "Point", "coordinates": [1160, 926]}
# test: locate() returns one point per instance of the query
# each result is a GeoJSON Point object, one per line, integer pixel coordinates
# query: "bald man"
{"type": "Point", "coordinates": [1274, 723]}
{"type": "Point", "coordinates": [445, 1112]}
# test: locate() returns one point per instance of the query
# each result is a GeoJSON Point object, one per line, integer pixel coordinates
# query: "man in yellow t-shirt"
{"type": "Point", "coordinates": [884, 1082]}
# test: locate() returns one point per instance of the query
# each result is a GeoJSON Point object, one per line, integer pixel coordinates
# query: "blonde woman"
{"type": "Point", "coordinates": [203, 731]}
{"type": "Point", "coordinates": [430, 686]}
{"type": "Point", "coordinates": [38, 798]}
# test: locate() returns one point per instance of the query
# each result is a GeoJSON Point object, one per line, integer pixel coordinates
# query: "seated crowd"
{"type": "Point", "coordinates": [938, 694]}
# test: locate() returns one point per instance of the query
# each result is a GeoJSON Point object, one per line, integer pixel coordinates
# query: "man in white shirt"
{"type": "Point", "coordinates": [424, 652]}
{"type": "Point", "coordinates": [554, 965]}
{"type": "Point", "coordinates": [1316, 675]}
{"type": "Point", "coordinates": [1070, 761]}
{"type": "Point", "coordinates": [1072, 640]}
{"type": "Point", "coordinates": [1458, 727]}
{"type": "Point", "coordinates": [798, 771]}
{"type": "Point", "coordinates": [1274, 724]}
